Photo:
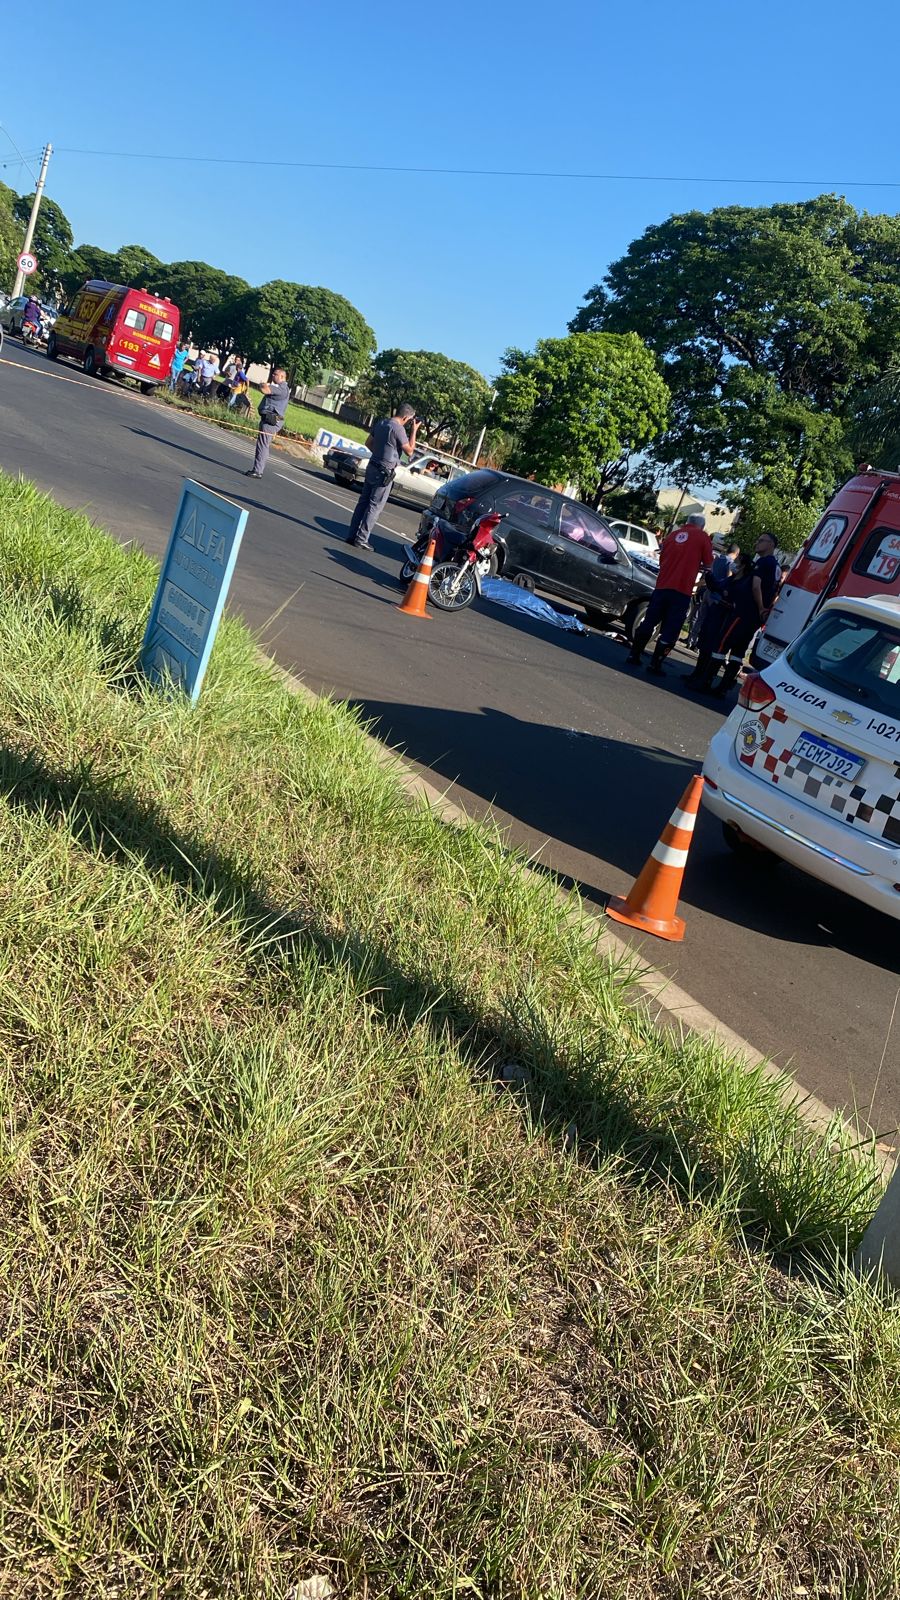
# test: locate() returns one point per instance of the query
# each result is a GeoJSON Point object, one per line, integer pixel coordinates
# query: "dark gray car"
{"type": "Point", "coordinates": [551, 542]}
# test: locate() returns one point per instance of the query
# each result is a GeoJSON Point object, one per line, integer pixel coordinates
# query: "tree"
{"type": "Point", "coordinates": [136, 267]}
{"type": "Point", "coordinates": [302, 329]}
{"type": "Point", "coordinates": [208, 300]}
{"type": "Point", "coordinates": [450, 397]}
{"type": "Point", "coordinates": [580, 407]}
{"type": "Point", "coordinates": [768, 321]}
{"type": "Point", "coordinates": [10, 236]}
{"type": "Point", "coordinates": [88, 261]}
{"type": "Point", "coordinates": [52, 242]}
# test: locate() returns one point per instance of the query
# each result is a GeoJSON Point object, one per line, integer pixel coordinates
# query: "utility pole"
{"type": "Point", "coordinates": [480, 443]}
{"type": "Point", "coordinates": [36, 204]}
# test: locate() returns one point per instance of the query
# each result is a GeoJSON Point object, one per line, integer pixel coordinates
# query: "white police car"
{"type": "Point", "coordinates": [808, 764]}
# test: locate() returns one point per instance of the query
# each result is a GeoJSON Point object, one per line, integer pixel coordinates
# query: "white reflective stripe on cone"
{"type": "Point", "coordinates": [683, 819]}
{"type": "Point", "coordinates": [668, 856]}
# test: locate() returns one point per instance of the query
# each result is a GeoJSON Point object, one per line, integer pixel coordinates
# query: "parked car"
{"type": "Point", "coordinates": [635, 539]}
{"type": "Point", "coordinates": [417, 480]}
{"type": "Point", "coordinates": [11, 313]}
{"type": "Point", "coordinates": [551, 542]}
{"type": "Point", "coordinates": [807, 767]}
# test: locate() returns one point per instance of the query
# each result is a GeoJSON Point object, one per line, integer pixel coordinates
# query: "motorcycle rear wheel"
{"type": "Point", "coordinates": [452, 589]}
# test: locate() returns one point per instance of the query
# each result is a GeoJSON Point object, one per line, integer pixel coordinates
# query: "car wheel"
{"type": "Point", "coordinates": [147, 388]}
{"type": "Point", "coordinates": [747, 849]}
{"type": "Point", "coordinates": [634, 616]}
{"type": "Point", "coordinates": [524, 581]}
{"type": "Point", "coordinates": [89, 364]}
{"type": "Point", "coordinates": [52, 348]}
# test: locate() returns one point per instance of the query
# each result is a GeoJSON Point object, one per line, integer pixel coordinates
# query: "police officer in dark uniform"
{"type": "Point", "coordinates": [388, 441]}
{"type": "Point", "coordinates": [272, 408]}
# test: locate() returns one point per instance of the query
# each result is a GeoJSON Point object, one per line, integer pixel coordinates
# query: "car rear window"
{"type": "Point", "coordinates": [136, 320]}
{"type": "Point", "coordinates": [471, 483]}
{"type": "Point", "coordinates": [853, 656]}
{"type": "Point", "coordinates": [879, 557]}
{"type": "Point", "coordinates": [163, 330]}
{"type": "Point", "coordinates": [825, 538]}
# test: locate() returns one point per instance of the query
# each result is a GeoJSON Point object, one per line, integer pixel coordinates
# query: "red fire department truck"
{"type": "Point", "coordinates": [109, 328]}
{"type": "Point", "coordinates": [853, 550]}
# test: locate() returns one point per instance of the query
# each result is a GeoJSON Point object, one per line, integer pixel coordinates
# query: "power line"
{"type": "Point", "coordinates": [25, 160]}
{"type": "Point", "coordinates": [488, 172]}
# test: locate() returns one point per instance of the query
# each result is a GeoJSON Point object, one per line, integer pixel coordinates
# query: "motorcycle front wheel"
{"type": "Point", "coordinates": [451, 587]}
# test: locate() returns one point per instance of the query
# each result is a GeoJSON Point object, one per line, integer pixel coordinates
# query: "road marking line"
{"type": "Point", "coordinates": [332, 502]}
{"type": "Point", "coordinates": [60, 377]}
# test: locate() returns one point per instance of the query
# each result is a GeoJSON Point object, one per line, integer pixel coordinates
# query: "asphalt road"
{"type": "Point", "coordinates": [579, 758]}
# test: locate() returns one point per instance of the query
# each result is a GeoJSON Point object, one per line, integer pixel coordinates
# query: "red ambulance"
{"type": "Point", "coordinates": [854, 550]}
{"type": "Point", "coordinates": [109, 328]}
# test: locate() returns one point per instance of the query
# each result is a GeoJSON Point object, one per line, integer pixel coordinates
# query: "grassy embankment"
{"type": "Point", "coordinates": [294, 1281]}
{"type": "Point", "coordinates": [299, 420]}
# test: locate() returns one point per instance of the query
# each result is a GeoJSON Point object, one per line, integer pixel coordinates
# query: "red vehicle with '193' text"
{"type": "Point", "coordinates": [854, 550]}
{"type": "Point", "coordinates": [110, 328]}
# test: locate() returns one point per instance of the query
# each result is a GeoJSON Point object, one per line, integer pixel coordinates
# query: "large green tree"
{"type": "Point", "coordinates": [10, 237]}
{"type": "Point", "coordinates": [137, 267]}
{"type": "Point", "coordinates": [51, 244]}
{"type": "Point", "coordinates": [208, 299]}
{"type": "Point", "coordinates": [88, 261]}
{"type": "Point", "coordinates": [581, 407]}
{"type": "Point", "coordinates": [450, 397]}
{"type": "Point", "coordinates": [768, 320]}
{"type": "Point", "coordinates": [303, 329]}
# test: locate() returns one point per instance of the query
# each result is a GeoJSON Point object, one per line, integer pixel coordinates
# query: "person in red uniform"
{"type": "Point", "coordinates": [686, 550]}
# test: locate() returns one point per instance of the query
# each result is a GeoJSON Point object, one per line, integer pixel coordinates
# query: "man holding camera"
{"type": "Point", "coordinates": [271, 408]}
{"type": "Point", "coordinates": [388, 441]}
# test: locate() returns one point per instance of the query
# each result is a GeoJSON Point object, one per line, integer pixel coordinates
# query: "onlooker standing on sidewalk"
{"type": "Point", "coordinates": [178, 360]}
{"type": "Point", "coordinates": [272, 408]}
{"type": "Point", "coordinates": [205, 369]}
{"type": "Point", "coordinates": [766, 574]}
{"type": "Point", "coordinates": [387, 442]}
{"type": "Point", "coordinates": [683, 553]}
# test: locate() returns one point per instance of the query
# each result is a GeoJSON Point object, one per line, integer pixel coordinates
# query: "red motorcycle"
{"type": "Point", "coordinates": [462, 557]}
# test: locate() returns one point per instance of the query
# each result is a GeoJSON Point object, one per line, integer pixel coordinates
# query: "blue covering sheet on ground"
{"type": "Point", "coordinates": [501, 592]}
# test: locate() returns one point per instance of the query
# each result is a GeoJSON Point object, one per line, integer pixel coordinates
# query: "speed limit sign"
{"type": "Point", "coordinates": [26, 264]}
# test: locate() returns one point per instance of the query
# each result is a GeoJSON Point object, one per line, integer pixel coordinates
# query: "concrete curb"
{"type": "Point", "coordinates": [668, 1005]}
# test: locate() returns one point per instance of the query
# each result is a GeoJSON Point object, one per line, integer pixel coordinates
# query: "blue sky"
{"type": "Point", "coordinates": [467, 265]}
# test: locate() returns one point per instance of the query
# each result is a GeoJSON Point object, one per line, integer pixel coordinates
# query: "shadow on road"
{"type": "Point", "coordinates": [216, 461]}
{"type": "Point", "coordinates": [609, 801]}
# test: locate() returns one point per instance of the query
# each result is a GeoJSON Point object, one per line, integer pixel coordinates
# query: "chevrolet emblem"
{"type": "Point", "coordinates": [846, 718]}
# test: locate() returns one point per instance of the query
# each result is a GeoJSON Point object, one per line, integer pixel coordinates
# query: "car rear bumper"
{"type": "Point", "coordinates": [867, 869]}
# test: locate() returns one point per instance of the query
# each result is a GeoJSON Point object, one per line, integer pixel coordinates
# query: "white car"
{"type": "Point", "coordinates": [808, 764]}
{"type": "Point", "coordinates": [417, 480]}
{"type": "Point", "coordinates": [636, 540]}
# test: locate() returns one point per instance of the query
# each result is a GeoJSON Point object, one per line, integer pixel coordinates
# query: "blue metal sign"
{"type": "Point", "coordinates": [193, 587]}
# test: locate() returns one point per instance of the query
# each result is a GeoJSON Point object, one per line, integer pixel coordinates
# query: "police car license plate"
{"type": "Point", "coordinates": [822, 753]}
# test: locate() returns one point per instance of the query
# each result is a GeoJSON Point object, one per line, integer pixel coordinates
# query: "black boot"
{"type": "Point", "coordinates": [638, 646]}
{"type": "Point", "coordinates": [703, 672]}
{"type": "Point", "coordinates": [659, 656]}
{"type": "Point", "coordinates": [728, 679]}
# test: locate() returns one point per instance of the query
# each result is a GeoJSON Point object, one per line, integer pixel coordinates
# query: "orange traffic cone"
{"type": "Point", "coordinates": [653, 899]}
{"type": "Point", "coordinates": [413, 602]}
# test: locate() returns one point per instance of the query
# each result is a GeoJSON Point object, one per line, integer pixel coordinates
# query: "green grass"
{"type": "Point", "coordinates": [298, 419]}
{"type": "Point", "coordinates": [294, 1281]}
